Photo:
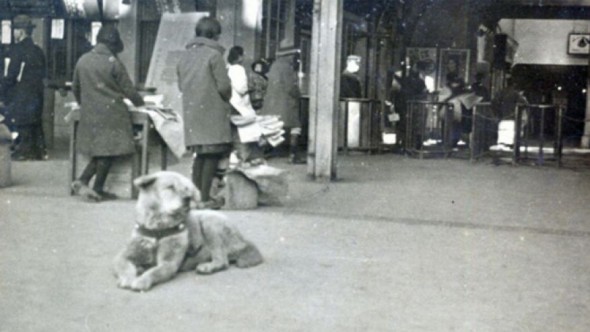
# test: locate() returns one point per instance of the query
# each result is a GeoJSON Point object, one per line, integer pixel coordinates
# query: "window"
{"type": "Point", "coordinates": [63, 53]}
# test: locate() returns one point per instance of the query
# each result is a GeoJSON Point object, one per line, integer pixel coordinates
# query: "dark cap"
{"type": "Point", "coordinates": [109, 35]}
{"type": "Point", "coordinates": [22, 22]}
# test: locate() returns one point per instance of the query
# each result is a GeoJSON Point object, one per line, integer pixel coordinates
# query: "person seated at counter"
{"type": "Point", "coordinates": [457, 94]}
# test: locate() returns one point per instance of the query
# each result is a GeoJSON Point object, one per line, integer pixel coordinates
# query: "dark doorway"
{"type": "Point", "coordinates": [544, 83]}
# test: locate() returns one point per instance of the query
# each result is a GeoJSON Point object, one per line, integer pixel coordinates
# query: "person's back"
{"type": "Point", "coordinates": [504, 106]}
{"type": "Point", "coordinates": [505, 102]}
{"type": "Point", "coordinates": [282, 100]}
{"type": "Point", "coordinates": [203, 79]}
{"type": "Point", "coordinates": [350, 86]}
{"type": "Point", "coordinates": [206, 91]}
{"type": "Point", "coordinates": [282, 94]}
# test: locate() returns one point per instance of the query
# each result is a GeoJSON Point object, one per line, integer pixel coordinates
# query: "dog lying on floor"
{"type": "Point", "coordinates": [170, 236]}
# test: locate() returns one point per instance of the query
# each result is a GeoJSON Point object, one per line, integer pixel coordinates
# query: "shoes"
{"type": "Point", "coordinates": [295, 160]}
{"type": "Point", "coordinates": [16, 156]}
{"type": "Point", "coordinates": [83, 190]}
{"type": "Point", "coordinates": [107, 196]}
{"type": "Point", "coordinates": [19, 157]}
{"type": "Point", "coordinates": [213, 204]}
{"type": "Point", "coordinates": [43, 156]}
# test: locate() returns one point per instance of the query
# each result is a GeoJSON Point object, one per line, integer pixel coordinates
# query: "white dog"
{"type": "Point", "coordinates": [170, 236]}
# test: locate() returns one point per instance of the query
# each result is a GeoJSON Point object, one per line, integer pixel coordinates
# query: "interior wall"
{"type": "Point", "coordinates": [544, 42]}
{"type": "Point", "coordinates": [238, 29]}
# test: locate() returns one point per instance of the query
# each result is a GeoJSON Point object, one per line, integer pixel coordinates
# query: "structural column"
{"type": "Point", "coordinates": [324, 89]}
{"type": "Point", "coordinates": [586, 138]}
{"type": "Point", "coordinates": [129, 29]}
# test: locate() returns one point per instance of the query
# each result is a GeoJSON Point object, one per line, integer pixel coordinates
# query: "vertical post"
{"type": "Point", "coordinates": [323, 103]}
{"type": "Point", "coordinates": [559, 144]}
{"type": "Point", "coordinates": [128, 27]}
{"type": "Point", "coordinates": [586, 137]}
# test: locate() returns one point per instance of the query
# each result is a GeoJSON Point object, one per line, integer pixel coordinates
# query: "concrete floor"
{"type": "Point", "coordinates": [397, 244]}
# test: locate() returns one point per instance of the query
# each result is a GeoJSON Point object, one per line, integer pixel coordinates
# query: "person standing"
{"type": "Point", "coordinates": [23, 90]}
{"type": "Point", "coordinates": [258, 83]}
{"type": "Point", "coordinates": [105, 131]}
{"type": "Point", "coordinates": [247, 151]}
{"type": "Point", "coordinates": [282, 99]}
{"type": "Point", "coordinates": [504, 106]}
{"type": "Point", "coordinates": [206, 91]}
{"type": "Point", "coordinates": [350, 83]}
{"type": "Point", "coordinates": [479, 88]}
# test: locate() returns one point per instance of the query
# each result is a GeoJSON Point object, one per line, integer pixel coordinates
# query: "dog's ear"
{"type": "Point", "coordinates": [187, 189]}
{"type": "Point", "coordinates": [145, 181]}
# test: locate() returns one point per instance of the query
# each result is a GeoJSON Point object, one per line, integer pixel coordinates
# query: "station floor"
{"type": "Point", "coordinates": [396, 244]}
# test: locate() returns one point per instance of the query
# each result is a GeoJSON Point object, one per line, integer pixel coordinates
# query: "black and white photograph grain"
{"type": "Point", "coordinates": [295, 165]}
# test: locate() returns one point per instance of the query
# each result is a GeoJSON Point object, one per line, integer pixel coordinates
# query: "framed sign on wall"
{"type": "Point", "coordinates": [454, 61]}
{"type": "Point", "coordinates": [578, 43]}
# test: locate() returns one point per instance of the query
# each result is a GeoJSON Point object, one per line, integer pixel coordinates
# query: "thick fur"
{"type": "Point", "coordinates": [205, 241]}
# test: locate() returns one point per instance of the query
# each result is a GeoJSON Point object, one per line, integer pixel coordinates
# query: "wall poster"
{"type": "Point", "coordinates": [453, 60]}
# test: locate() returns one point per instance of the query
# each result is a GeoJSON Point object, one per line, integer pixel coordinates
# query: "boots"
{"type": "Point", "coordinates": [294, 157]}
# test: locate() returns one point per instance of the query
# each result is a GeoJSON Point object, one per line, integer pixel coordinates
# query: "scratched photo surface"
{"type": "Point", "coordinates": [379, 165]}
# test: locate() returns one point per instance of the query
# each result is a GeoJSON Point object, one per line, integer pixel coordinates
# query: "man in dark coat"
{"type": "Point", "coordinates": [105, 131]}
{"type": "Point", "coordinates": [23, 89]}
{"type": "Point", "coordinates": [282, 99]}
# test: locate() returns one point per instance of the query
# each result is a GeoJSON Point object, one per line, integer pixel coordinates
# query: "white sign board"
{"type": "Point", "coordinates": [6, 32]}
{"type": "Point", "coordinates": [175, 31]}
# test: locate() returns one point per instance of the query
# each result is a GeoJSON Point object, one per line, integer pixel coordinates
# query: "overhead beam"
{"type": "Point", "coordinates": [581, 3]}
{"type": "Point", "coordinates": [326, 47]}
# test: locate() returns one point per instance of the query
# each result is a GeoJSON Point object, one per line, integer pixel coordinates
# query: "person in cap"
{"type": "Point", "coordinates": [23, 90]}
{"type": "Point", "coordinates": [105, 131]}
{"type": "Point", "coordinates": [350, 83]}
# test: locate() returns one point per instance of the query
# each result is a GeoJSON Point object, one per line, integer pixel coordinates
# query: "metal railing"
{"type": "Point", "coordinates": [484, 129]}
{"type": "Point", "coordinates": [368, 126]}
{"type": "Point", "coordinates": [370, 113]}
{"type": "Point", "coordinates": [542, 123]}
{"type": "Point", "coordinates": [429, 128]}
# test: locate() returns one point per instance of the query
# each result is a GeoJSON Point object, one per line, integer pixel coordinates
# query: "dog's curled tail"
{"type": "Point", "coordinates": [249, 256]}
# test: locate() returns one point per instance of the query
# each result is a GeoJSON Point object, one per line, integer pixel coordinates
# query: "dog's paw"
{"type": "Point", "coordinates": [141, 284]}
{"type": "Point", "coordinates": [208, 268]}
{"type": "Point", "coordinates": [124, 283]}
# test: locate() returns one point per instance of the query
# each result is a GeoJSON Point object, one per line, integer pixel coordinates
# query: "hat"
{"type": "Point", "coordinates": [22, 22]}
{"type": "Point", "coordinates": [353, 57]}
{"type": "Point", "coordinates": [109, 35]}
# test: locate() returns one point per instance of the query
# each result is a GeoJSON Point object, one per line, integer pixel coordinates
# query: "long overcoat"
{"type": "Point", "coordinates": [206, 90]}
{"type": "Point", "coordinates": [23, 84]}
{"type": "Point", "coordinates": [100, 84]}
{"type": "Point", "coordinates": [282, 93]}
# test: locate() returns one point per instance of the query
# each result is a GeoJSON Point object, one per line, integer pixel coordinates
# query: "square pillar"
{"type": "Point", "coordinates": [324, 91]}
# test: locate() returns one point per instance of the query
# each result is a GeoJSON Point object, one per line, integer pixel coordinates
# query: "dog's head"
{"type": "Point", "coordinates": [164, 199]}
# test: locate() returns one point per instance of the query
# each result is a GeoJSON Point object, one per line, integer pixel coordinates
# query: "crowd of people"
{"type": "Point", "coordinates": [220, 97]}
{"type": "Point", "coordinates": [459, 97]}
